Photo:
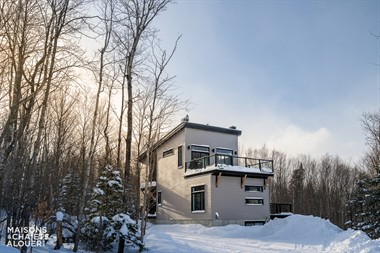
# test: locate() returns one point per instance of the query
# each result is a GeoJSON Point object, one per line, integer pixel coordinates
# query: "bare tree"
{"type": "Point", "coordinates": [46, 132]}
{"type": "Point", "coordinates": [34, 38]}
{"type": "Point", "coordinates": [134, 26]}
{"type": "Point", "coordinates": [162, 106]}
{"type": "Point", "coordinates": [371, 126]}
{"type": "Point", "coordinates": [135, 18]}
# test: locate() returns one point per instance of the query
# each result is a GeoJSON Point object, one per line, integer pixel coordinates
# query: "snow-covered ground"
{"type": "Point", "coordinates": [296, 233]}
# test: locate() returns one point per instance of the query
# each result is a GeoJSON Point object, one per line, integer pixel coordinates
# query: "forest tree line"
{"type": "Point", "coordinates": [346, 193]}
{"type": "Point", "coordinates": [318, 187]}
{"type": "Point", "coordinates": [83, 86]}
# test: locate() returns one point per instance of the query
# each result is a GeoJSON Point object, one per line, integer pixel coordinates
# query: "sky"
{"type": "Point", "coordinates": [293, 75]}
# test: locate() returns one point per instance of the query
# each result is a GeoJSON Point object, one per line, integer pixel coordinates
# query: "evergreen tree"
{"type": "Point", "coordinates": [296, 188]}
{"type": "Point", "coordinates": [364, 206]}
{"type": "Point", "coordinates": [106, 201]}
{"type": "Point", "coordinates": [128, 229]}
{"type": "Point", "coordinates": [68, 198]}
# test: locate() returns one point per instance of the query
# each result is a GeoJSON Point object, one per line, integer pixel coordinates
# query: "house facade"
{"type": "Point", "coordinates": [199, 178]}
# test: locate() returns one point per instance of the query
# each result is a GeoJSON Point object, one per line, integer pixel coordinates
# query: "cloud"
{"type": "Point", "coordinates": [294, 140]}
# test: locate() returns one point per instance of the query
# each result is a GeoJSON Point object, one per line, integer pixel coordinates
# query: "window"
{"type": "Point", "coordinates": [252, 188]}
{"type": "Point", "coordinates": [254, 201]}
{"type": "Point", "coordinates": [198, 152]}
{"type": "Point", "coordinates": [168, 152]}
{"type": "Point", "coordinates": [198, 198]}
{"type": "Point", "coordinates": [224, 156]}
{"type": "Point", "coordinates": [204, 149]}
{"type": "Point", "coordinates": [254, 223]}
{"type": "Point", "coordinates": [224, 151]}
{"type": "Point", "coordinates": [179, 156]}
{"type": "Point", "coordinates": [159, 198]}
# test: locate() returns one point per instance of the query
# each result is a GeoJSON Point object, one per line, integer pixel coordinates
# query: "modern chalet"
{"type": "Point", "coordinates": [198, 177]}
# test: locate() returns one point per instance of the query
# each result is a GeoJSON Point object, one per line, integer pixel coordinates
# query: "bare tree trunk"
{"type": "Point", "coordinates": [108, 155]}
{"type": "Point", "coordinates": [18, 55]}
{"type": "Point", "coordinates": [122, 109]}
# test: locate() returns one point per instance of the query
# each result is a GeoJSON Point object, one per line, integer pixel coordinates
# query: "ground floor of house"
{"type": "Point", "coordinates": [212, 200]}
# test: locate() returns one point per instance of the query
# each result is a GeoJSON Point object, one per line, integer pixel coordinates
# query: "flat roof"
{"type": "Point", "coordinates": [231, 130]}
{"type": "Point", "coordinates": [186, 124]}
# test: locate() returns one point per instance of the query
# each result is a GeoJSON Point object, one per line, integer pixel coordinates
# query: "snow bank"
{"type": "Point", "coordinates": [301, 229]}
{"type": "Point", "coordinates": [352, 241]}
{"type": "Point", "coordinates": [296, 233]}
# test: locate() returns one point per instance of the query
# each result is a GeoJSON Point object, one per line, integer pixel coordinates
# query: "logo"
{"type": "Point", "coordinates": [26, 236]}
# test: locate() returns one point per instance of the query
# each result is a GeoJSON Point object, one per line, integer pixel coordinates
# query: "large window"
{"type": "Point", "coordinates": [254, 201]}
{"type": "Point", "coordinates": [198, 198]}
{"type": "Point", "coordinates": [198, 152]}
{"type": "Point", "coordinates": [224, 156]}
{"type": "Point", "coordinates": [180, 157]}
{"type": "Point", "coordinates": [253, 188]}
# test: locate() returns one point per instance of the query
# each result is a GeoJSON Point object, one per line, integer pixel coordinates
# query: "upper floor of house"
{"type": "Point", "coordinates": [202, 149]}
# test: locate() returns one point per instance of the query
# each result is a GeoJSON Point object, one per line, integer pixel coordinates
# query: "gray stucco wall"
{"type": "Point", "coordinates": [228, 199]}
{"type": "Point", "coordinates": [175, 189]}
{"type": "Point", "coordinates": [212, 139]}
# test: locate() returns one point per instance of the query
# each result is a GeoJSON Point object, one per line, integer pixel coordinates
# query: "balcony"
{"type": "Point", "coordinates": [229, 163]}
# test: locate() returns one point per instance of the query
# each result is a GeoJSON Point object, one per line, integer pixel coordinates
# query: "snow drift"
{"type": "Point", "coordinates": [297, 233]}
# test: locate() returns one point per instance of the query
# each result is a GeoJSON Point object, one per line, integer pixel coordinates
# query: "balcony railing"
{"type": "Point", "coordinates": [220, 160]}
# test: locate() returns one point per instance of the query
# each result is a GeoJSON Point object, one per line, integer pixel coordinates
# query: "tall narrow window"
{"type": "Point", "coordinates": [198, 198]}
{"type": "Point", "coordinates": [179, 156]}
{"type": "Point", "coordinates": [159, 198]}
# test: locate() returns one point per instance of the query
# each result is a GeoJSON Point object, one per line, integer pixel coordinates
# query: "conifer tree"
{"type": "Point", "coordinates": [106, 201]}
{"type": "Point", "coordinates": [68, 198]}
{"type": "Point", "coordinates": [364, 206]}
{"type": "Point", "coordinates": [296, 188]}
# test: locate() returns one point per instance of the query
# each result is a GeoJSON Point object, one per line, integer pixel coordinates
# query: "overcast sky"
{"type": "Point", "coordinates": [294, 75]}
